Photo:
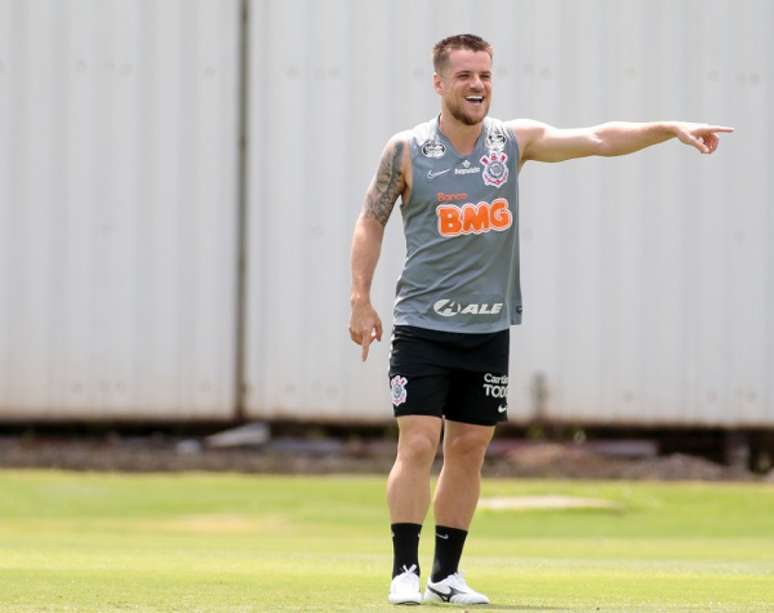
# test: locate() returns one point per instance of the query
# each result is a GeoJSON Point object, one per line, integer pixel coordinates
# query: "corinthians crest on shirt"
{"type": "Point", "coordinates": [495, 168]}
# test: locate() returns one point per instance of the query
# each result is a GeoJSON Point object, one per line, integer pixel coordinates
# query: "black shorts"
{"type": "Point", "coordinates": [462, 377]}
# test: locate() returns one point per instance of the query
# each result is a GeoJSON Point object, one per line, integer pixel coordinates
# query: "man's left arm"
{"type": "Point", "coordinates": [544, 143]}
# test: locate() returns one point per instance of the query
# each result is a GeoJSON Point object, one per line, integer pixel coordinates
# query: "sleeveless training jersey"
{"type": "Point", "coordinates": [461, 225]}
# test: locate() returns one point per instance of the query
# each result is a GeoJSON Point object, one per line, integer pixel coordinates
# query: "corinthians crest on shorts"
{"type": "Point", "coordinates": [398, 390]}
{"type": "Point", "coordinates": [495, 168]}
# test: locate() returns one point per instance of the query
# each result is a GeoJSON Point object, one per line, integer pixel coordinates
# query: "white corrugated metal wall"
{"type": "Point", "coordinates": [118, 203]}
{"type": "Point", "coordinates": [648, 280]}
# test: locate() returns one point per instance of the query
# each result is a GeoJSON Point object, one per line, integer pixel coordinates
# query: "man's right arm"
{"type": "Point", "coordinates": [388, 183]}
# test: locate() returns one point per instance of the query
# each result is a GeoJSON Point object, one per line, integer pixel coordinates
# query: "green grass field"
{"type": "Point", "coordinates": [224, 542]}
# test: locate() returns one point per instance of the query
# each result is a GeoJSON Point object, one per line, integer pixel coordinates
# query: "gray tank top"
{"type": "Point", "coordinates": [461, 225]}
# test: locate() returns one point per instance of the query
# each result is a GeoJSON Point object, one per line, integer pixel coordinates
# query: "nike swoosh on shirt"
{"type": "Point", "coordinates": [502, 409]}
{"type": "Point", "coordinates": [432, 175]}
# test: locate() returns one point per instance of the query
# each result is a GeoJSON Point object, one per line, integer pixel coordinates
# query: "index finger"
{"type": "Point", "coordinates": [365, 342]}
{"type": "Point", "coordinates": [718, 128]}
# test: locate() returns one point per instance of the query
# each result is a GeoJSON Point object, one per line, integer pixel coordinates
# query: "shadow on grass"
{"type": "Point", "coordinates": [513, 607]}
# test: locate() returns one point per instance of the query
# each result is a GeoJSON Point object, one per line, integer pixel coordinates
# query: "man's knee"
{"type": "Point", "coordinates": [468, 448]}
{"type": "Point", "coordinates": [417, 448]}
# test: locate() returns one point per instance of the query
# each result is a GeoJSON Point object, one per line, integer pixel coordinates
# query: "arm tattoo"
{"type": "Point", "coordinates": [387, 186]}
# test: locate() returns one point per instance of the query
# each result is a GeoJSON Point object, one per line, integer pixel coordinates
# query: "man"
{"type": "Point", "coordinates": [459, 292]}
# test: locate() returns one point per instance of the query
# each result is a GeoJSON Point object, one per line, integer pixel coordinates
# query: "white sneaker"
{"type": "Point", "coordinates": [453, 589]}
{"type": "Point", "coordinates": [404, 588]}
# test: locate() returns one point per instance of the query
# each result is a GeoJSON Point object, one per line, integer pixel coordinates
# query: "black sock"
{"type": "Point", "coordinates": [448, 550]}
{"type": "Point", "coordinates": [405, 547]}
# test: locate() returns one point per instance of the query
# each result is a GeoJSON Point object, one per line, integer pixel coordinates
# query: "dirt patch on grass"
{"type": "Point", "coordinates": [506, 458]}
{"type": "Point", "coordinates": [551, 502]}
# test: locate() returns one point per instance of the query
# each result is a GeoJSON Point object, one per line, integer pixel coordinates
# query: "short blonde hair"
{"type": "Point", "coordinates": [444, 47]}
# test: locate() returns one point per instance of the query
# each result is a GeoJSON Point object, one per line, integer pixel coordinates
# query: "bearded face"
{"type": "Point", "coordinates": [465, 85]}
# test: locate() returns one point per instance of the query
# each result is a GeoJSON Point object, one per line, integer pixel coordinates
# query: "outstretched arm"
{"type": "Point", "coordinates": [388, 183]}
{"type": "Point", "coordinates": [544, 143]}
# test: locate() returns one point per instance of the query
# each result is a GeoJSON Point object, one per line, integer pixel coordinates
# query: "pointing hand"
{"type": "Point", "coordinates": [700, 135]}
{"type": "Point", "coordinates": [365, 327]}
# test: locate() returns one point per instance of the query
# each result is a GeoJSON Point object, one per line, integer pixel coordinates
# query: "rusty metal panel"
{"type": "Point", "coordinates": [118, 183]}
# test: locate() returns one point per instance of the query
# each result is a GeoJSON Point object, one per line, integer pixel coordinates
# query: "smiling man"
{"type": "Point", "coordinates": [459, 293]}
